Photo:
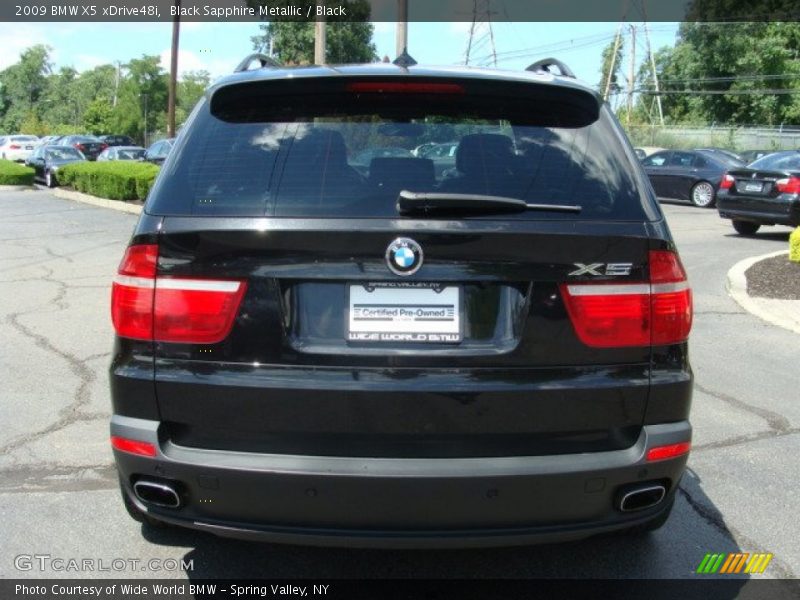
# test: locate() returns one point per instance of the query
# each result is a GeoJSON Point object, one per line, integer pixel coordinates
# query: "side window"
{"type": "Point", "coordinates": [656, 160]}
{"type": "Point", "coordinates": [155, 151]}
{"type": "Point", "coordinates": [681, 159]}
{"type": "Point", "coordinates": [700, 162]}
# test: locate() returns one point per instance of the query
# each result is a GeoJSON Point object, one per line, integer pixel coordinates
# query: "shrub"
{"type": "Point", "coordinates": [794, 246]}
{"type": "Point", "coordinates": [116, 180]}
{"type": "Point", "coordinates": [12, 173]}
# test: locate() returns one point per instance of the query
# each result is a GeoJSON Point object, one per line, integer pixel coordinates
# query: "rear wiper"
{"type": "Point", "coordinates": [410, 203]}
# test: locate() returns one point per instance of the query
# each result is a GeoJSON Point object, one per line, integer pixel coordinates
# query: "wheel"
{"type": "Point", "coordinates": [703, 194]}
{"type": "Point", "coordinates": [745, 227]}
{"type": "Point", "coordinates": [136, 514]}
{"type": "Point", "coordinates": [49, 180]}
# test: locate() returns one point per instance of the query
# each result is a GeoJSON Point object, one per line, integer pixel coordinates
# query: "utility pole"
{"type": "Point", "coordinates": [630, 76]}
{"type": "Point", "coordinates": [655, 76]}
{"type": "Point", "coordinates": [116, 83]}
{"type": "Point", "coordinates": [401, 36]}
{"type": "Point", "coordinates": [173, 71]}
{"type": "Point", "coordinates": [145, 119]}
{"type": "Point", "coordinates": [319, 39]}
{"type": "Point", "coordinates": [617, 41]}
{"type": "Point", "coordinates": [481, 33]}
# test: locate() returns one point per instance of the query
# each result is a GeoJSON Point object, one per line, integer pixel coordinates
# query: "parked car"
{"type": "Point", "coordinates": [442, 155]}
{"type": "Point", "coordinates": [17, 147]}
{"type": "Point", "coordinates": [363, 160]}
{"type": "Point", "coordinates": [647, 150]}
{"type": "Point", "coordinates": [306, 355]}
{"type": "Point", "coordinates": [121, 153]}
{"type": "Point", "coordinates": [749, 156]}
{"type": "Point", "coordinates": [89, 146]}
{"type": "Point", "coordinates": [729, 153]}
{"type": "Point", "coordinates": [640, 153]}
{"type": "Point", "coordinates": [692, 175]}
{"type": "Point", "coordinates": [117, 140]}
{"type": "Point", "coordinates": [158, 151]}
{"type": "Point", "coordinates": [766, 192]}
{"type": "Point", "coordinates": [47, 160]}
{"type": "Point", "coordinates": [48, 139]}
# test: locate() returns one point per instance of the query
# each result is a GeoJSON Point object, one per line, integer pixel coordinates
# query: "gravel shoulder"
{"type": "Point", "coordinates": [774, 277]}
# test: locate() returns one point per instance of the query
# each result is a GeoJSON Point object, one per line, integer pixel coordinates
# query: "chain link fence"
{"type": "Point", "coordinates": [732, 138]}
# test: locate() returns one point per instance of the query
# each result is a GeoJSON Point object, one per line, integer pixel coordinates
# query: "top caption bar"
{"type": "Point", "coordinates": [221, 11]}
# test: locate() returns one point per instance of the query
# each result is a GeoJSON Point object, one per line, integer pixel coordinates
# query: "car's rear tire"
{"type": "Point", "coordinates": [136, 514]}
{"type": "Point", "coordinates": [703, 195]}
{"type": "Point", "coordinates": [745, 227]}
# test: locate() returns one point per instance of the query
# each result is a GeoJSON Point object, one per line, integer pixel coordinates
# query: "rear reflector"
{"type": "Point", "coordinates": [399, 87]}
{"type": "Point", "coordinates": [165, 309]}
{"type": "Point", "coordinates": [613, 315]}
{"type": "Point", "coordinates": [727, 182]}
{"type": "Point", "coordinates": [666, 452]}
{"type": "Point", "coordinates": [788, 185]}
{"type": "Point", "coordinates": [133, 446]}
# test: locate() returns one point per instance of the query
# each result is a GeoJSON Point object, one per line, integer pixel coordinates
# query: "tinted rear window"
{"type": "Point", "coordinates": [789, 161]}
{"type": "Point", "coordinates": [259, 152]}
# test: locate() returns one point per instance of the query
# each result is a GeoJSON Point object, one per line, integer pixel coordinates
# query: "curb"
{"type": "Point", "coordinates": [119, 205]}
{"type": "Point", "coordinates": [737, 288]}
{"type": "Point", "coordinates": [16, 188]}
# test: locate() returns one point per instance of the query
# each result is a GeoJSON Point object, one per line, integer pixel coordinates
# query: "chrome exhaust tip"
{"type": "Point", "coordinates": [641, 498]}
{"type": "Point", "coordinates": [157, 494]}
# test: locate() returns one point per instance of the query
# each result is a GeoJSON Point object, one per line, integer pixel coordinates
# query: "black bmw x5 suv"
{"type": "Point", "coordinates": [401, 355]}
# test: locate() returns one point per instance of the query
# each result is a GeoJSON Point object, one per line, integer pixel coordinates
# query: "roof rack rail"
{"type": "Point", "coordinates": [543, 66]}
{"type": "Point", "coordinates": [265, 61]}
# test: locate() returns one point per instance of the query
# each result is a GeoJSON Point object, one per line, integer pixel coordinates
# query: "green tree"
{"type": "Point", "coordinates": [98, 117]}
{"type": "Point", "coordinates": [348, 38]}
{"type": "Point", "coordinates": [609, 79]}
{"type": "Point", "coordinates": [726, 73]}
{"type": "Point", "coordinates": [22, 85]}
{"type": "Point", "coordinates": [191, 88]}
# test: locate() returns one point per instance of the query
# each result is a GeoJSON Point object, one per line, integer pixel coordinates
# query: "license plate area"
{"type": "Point", "coordinates": [404, 312]}
{"type": "Point", "coordinates": [753, 187]}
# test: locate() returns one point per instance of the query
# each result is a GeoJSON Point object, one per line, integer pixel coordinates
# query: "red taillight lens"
{"type": "Point", "coordinates": [196, 311]}
{"type": "Point", "coordinates": [133, 446]}
{"type": "Point", "coordinates": [788, 185]}
{"type": "Point", "coordinates": [404, 87]}
{"type": "Point", "coordinates": [727, 182]}
{"type": "Point", "coordinates": [671, 451]}
{"type": "Point", "coordinates": [188, 311]}
{"type": "Point", "coordinates": [633, 314]}
{"type": "Point", "coordinates": [14, 147]}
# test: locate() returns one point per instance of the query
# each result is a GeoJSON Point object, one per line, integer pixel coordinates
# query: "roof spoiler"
{"type": "Point", "coordinates": [544, 66]}
{"type": "Point", "coordinates": [263, 59]}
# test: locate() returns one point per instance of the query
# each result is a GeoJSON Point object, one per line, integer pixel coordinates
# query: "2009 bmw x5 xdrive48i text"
{"type": "Point", "coordinates": [489, 353]}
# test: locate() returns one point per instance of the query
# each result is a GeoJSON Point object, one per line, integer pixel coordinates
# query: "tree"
{"type": "Point", "coordinates": [728, 73]}
{"type": "Point", "coordinates": [191, 88]}
{"type": "Point", "coordinates": [98, 117]}
{"type": "Point", "coordinates": [22, 85]}
{"type": "Point", "coordinates": [609, 79]}
{"type": "Point", "coordinates": [348, 38]}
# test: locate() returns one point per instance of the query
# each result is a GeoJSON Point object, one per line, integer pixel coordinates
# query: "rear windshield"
{"type": "Point", "coordinates": [789, 161]}
{"type": "Point", "coordinates": [350, 155]}
{"type": "Point", "coordinates": [62, 153]}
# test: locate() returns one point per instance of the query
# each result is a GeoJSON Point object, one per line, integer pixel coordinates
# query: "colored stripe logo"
{"type": "Point", "coordinates": [734, 562]}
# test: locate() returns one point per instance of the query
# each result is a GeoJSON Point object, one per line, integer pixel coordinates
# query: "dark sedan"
{"type": "Point", "coordinates": [766, 192]}
{"type": "Point", "coordinates": [158, 151]}
{"type": "Point", "coordinates": [89, 146]}
{"type": "Point", "coordinates": [692, 175]}
{"type": "Point", "coordinates": [117, 140]}
{"type": "Point", "coordinates": [47, 160]}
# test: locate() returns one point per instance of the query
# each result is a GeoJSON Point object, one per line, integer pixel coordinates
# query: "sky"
{"type": "Point", "coordinates": [218, 47]}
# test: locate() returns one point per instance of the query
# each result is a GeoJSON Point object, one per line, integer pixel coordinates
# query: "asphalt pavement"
{"type": "Point", "coordinates": [58, 489]}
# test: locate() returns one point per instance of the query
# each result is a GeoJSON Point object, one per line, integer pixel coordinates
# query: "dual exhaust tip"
{"type": "Point", "coordinates": [642, 497]}
{"type": "Point", "coordinates": [157, 493]}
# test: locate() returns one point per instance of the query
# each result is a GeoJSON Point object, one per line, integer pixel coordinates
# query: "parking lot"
{"type": "Point", "coordinates": [58, 488]}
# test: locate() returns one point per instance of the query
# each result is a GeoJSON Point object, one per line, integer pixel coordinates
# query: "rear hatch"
{"type": "Point", "coordinates": [299, 310]}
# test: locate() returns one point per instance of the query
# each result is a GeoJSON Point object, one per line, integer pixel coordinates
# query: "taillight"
{"type": "Point", "coordinates": [667, 452]}
{"type": "Point", "coordinates": [611, 315]}
{"type": "Point", "coordinates": [727, 182]}
{"type": "Point", "coordinates": [14, 147]}
{"type": "Point", "coordinates": [171, 309]}
{"type": "Point", "coordinates": [788, 185]}
{"type": "Point", "coordinates": [404, 87]}
{"type": "Point", "coordinates": [133, 446]}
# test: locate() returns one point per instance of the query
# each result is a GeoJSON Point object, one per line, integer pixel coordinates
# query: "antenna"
{"type": "Point", "coordinates": [481, 35]}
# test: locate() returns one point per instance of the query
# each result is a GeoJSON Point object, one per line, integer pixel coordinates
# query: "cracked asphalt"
{"type": "Point", "coordinates": [58, 491]}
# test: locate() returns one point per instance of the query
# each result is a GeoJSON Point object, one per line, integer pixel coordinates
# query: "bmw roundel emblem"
{"type": "Point", "coordinates": [404, 256]}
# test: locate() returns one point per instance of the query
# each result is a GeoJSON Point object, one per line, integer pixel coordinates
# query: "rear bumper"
{"type": "Point", "coordinates": [390, 502]}
{"type": "Point", "coordinates": [767, 211]}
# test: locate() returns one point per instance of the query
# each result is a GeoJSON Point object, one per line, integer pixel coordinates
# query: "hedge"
{"type": "Point", "coordinates": [12, 173]}
{"type": "Point", "coordinates": [115, 180]}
